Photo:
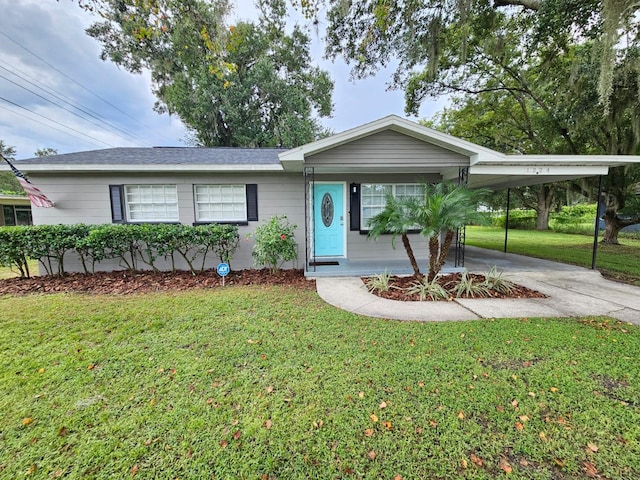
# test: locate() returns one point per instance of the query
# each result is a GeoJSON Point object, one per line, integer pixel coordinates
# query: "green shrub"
{"type": "Point", "coordinates": [518, 220]}
{"type": "Point", "coordinates": [130, 244]}
{"type": "Point", "coordinates": [275, 243]}
{"type": "Point", "coordinates": [576, 219]}
{"type": "Point", "coordinates": [13, 250]}
{"type": "Point", "coordinates": [49, 243]}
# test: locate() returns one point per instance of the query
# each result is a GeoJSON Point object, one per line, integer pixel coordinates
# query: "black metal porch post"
{"type": "Point", "coordinates": [594, 254]}
{"type": "Point", "coordinates": [506, 220]}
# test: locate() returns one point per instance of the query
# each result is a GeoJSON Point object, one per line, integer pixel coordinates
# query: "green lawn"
{"type": "Point", "coordinates": [617, 260]}
{"type": "Point", "coordinates": [273, 383]}
{"type": "Point", "coordinates": [9, 273]}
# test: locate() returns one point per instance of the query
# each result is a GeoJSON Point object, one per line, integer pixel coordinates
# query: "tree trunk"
{"type": "Point", "coordinates": [412, 258]}
{"type": "Point", "coordinates": [446, 246]}
{"type": "Point", "coordinates": [544, 205]}
{"type": "Point", "coordinates": [613, 224]}
{"type": "Point", "coordinates": [434, 249]}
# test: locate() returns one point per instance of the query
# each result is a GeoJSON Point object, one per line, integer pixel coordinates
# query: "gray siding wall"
{"type": "Point", "coordinates": [84, 198]}
{"type": "Point", "coordinates": [388, 148]}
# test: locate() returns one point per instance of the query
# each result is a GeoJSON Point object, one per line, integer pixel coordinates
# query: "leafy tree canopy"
{"type": "Point", "coordinates": [240, 85]}
{"type": "Point", "coordinates": [8, 183]}
{"type": "Point", "coordinates": [45, 152]}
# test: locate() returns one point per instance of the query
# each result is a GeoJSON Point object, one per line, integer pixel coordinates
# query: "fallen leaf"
{"type": "Point", "coordinates": [553, 389]}
{"type": "Point", "coordinates": [559, 463]}
{"type": "Point", "coordinates": [224, 443]}
{"type": "Point", "coordinates": [62, 432]}
{"type": "Point", "coordinates": [515, 403]}
{"type": "Point", "coordinates": [504, 465]}
{"type": "Point", "coordinates": [397, 477]}
{"type": "Point", "coordinates": [461, 415]}
{"type": "Point", "coordinates": [523, 462]}
{"type": "Point", "coordinates": [371, 455]}
{"type": "Point", "coordinates": [543, 436]}
{"type": "Point", "coordinates": [368, 432]}
{"type": "Point", "coordinates": [524, 418]}
{"type": "Point", "coordinates": [382, 405]}
{"type": "Point", "coordinates": [373, 417]}
{"type": "Point", "coordinates": [91, 366]}
{"type": "Point", "coordinates": [27, 421]}
{"type": "Point", "coordinates": [361, 394]}
{"type": "Point", "coordinates": [476, 460]}
{"type": "Point", "coordinates": [592, 447]}
{"type": "Point", "coordinates": [387, 425]}
{"type": "Point", "coordinates": [268, 424]}
{"type": "Point", "coordinates": [421, 384]}
{"type": "Point", "coordinates": [464, 462]}
{"type": "Point", "coordinates": [31, 469]}
{"type": "Point", "coordinates": [58, 473]}
{"type": "Point", "coordinates": [210, 400]}
{"type": "Point", "coordinates": [134, 470]}
{"type": "Point", "coordinates": [590, 469]}
{"type": "Point", "coordinates": [519, 426]}
{"type": "Point", "coordinates": [269, 389]}
{"type": "Point", "coordinates": [500, 408]}
{"type": "Point", "coordinates": [433, 423]}
{"type": "Point", "coordinates": [41, 370]}
{"type": "Point", "coordinates": [532, 394]}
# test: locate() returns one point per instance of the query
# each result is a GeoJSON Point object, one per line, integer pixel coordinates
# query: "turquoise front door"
{"type": "Point", "coordinates": [328, 220]}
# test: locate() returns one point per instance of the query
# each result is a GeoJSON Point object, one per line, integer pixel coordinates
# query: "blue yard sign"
{"type": "Point", "coordinates": [223, 270]}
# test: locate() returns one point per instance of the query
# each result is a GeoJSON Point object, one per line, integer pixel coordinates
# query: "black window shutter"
{"type": "Point", "coordinates": [252, 202]}
{"type": "Point", "coordinates": [354, 207]}
{"type": "Point", "coordinates": [116, 194]}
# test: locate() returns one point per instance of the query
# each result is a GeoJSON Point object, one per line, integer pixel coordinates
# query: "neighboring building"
{"type": "Point", "coordinates": [329, 188]}
{"type": "Point", "coordinates": [15, 210]}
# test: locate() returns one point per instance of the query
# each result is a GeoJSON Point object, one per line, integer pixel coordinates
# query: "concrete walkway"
{"type": "Point", "coordinates": [572, 292]}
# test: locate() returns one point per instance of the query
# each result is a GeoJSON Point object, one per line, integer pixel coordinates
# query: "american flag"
{"type": "Point", "coordinates": [38, 199]}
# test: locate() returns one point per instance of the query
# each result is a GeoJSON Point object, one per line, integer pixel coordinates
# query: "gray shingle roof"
{"type": "Point", "coordinates": [163, 156]}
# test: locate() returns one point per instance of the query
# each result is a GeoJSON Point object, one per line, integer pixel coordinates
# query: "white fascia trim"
{"type": "Point", "coordinates": [397, 124]}
{"type": "Point", "coordinates": [538, 169]}
{"type": "Point", "coordinates": [569, 160]}
{"type": "Point", "coordinates": [181, 168]}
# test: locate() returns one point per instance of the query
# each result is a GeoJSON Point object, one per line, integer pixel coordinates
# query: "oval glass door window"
{"type": "Point", "coordinates": [326, 210]}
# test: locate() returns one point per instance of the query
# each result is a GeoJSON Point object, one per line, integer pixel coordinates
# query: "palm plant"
{"type": "Point", "coordinates": [443, 208]}
{"type": "Point", "coordinates": [395, 219]}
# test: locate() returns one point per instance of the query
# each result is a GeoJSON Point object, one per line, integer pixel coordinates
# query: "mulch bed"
{"type": "Point", "coordinates": [448, 282]}
{"type": "Point", "coordinates": [126, 282]}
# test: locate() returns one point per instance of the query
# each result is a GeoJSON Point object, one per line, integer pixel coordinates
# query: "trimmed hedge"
{"type": "Point", "coordinates": [131, 245]}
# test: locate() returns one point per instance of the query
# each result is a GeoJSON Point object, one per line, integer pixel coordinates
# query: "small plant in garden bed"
{"type": "Point", "coordinates": [456, 285]}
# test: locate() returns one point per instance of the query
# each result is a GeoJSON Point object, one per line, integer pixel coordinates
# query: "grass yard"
{"type": "Point", "coordinates": [621, 261]}
{"type": "Point", "coordinates": [9, 273]}
{"type": "Point", "coordinates": [253, 382]}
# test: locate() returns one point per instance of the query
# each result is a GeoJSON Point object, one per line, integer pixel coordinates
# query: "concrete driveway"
{"type": "Point", "coordinates": [572, 292]}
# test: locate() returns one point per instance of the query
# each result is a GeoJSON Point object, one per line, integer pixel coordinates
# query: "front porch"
{"type": "Point", "coordinates": [476, 259]}
{"type": "Point", "coordinates": [343, 267]}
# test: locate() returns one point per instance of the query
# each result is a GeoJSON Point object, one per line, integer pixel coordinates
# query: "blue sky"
{"type": "Point", "coordinates": [43, 44]}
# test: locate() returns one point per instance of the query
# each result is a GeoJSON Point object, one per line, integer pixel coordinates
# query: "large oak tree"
{"type": "Point", "coordinates": [232, 85]}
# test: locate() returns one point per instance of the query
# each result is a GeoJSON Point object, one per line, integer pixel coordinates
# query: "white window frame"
{"type": "Point", "coordinates": [151, 203]}
{"type": "Point", "coordinates": [364, 220]}
{"type": "Point", "coordinates": [210, 197]}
